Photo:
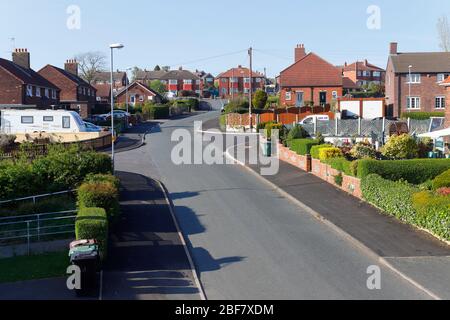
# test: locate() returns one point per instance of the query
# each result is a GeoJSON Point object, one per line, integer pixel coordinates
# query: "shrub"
{"type": "Point", "coordinates": [156, 111]}
{"type": "Point", "coordinates": [339, 179]}
{"type": "Point", "coordinates": [273, 126]}
{"type": "Point", "coordinates": [46, 205]}
{"type": "Point", "coordinates": [363, 150]}
{"type": "Point", "coordinates": [443, 191]}
{"type": "Point", "coordinates": [401, 147]}
{"type": "Point", "coordinates": [6, 141]}
{"type": "Point", "coordinates": [393, 197]}
{"type": "Point", "coordinates": [17, 180]}
{"type": "Point", "coordinates": [100, 195]}
{"type": "Point", "coordinates": [421, 115]}
{"type": "Point", "coordinates": [433, 212]}
{"type": "Point", "coordinates": [320, 138]}
{"type": "Point", "coordinates": [238, 105]}
{"type": "Point", "coordinates": [103, 178]}
{"type": "Point", "coordinates": [425, 145]}
{"type": "Point", "coordinates": [297, 132]}
{"type": "Point", "coordinates": [442, 180]}
{"type": "Point", "coordinates": [260, 99]}
{"type": "Point", "coordinates": [315, 150]}
{"type": "Point", "coordinates": [302, 146]}
{"type": "Point", "coordinates": [415, 171]}
{"type": "Point", "coordinates": [341, 164]}
{"type": "Point", "coordinates": [92, 223]}
{"type": "Point", "coordinates": [329, 153]}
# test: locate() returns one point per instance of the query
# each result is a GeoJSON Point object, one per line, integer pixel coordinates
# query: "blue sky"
{"type": "Point", "coordinates": [178, 31]}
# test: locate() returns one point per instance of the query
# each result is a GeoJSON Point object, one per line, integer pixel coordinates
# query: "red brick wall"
{"type": "Point", "coordinates": [137, 91]}
{"type": "Point", "coordinates": [11, 90]}
{"type": "Point", "coordinates": [240, 85]}
{"type": "Point", "coordinates": [308, 94]}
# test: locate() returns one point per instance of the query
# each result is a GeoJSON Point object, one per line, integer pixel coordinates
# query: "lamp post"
{"type": "Point", "coordinates": [126, 88]}
{"type": "Point", "coordinates": [409, 82]}
{"type": "Point", "coordinates": [112, 47]}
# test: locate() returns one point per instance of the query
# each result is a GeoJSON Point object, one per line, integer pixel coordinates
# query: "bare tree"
{"type": "Point", "coordinates": [90, 63]}
{"type": "Point", "coordinates": [443, 28]}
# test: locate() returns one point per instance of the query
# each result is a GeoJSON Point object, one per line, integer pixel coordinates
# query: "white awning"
{"type": "Point", "coordinates": [436, 134]}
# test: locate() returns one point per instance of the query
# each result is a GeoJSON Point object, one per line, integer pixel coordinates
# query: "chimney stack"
{"type": "Point", "coordinates": [71, 66]}
{"type": "Point", "coordinates": [300, 52]}
{"type": "Point", "coordinates": [393, 48]}
{"type": "Point", "coordinates": [21, 57]}
{"type": "Point", "coordinates": [366, 63]}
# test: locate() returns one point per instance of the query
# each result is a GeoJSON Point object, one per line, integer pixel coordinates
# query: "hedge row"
{"type": "Point", "coordinates": [343, 165]}
{"type": "Point", "coordinates": [422, 115]}
{"type": "Point", "coordinates": [315, 150]}
{"type": "Point", "coordinates": [442, 181]}
{"type": "Point", "coordinates": [92, 223]}
{"type": "Point", "coordinates": [61, 169]}
{"type": "Point", "coordinates": [156, 111]}
{"type": "Point", "coordinates": [414, 171]}
{"type": "Point", "coordinates": [302, 146]}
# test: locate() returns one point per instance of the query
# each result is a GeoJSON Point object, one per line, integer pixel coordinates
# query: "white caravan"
{"type": "Point", "coordinates": [37, 121]}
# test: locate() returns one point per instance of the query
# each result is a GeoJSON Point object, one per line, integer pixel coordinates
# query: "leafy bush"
{"type": "Point", "coordinates": [415, 171]}
{"type": "Point", "coordinates": [421, 115]}
{"type": "Point", "coordinates": [401, 147]}
{"type": "Point", "coordinates": [273, 126]}
{"type": "Point", "coordinates": [46, 205]}
{"type": "Point", "coordinates": [297, 132]}
{"type": "Point", "coordinates": [341, 164]}
{"type": "Point", "coordinates": [443, 191]}
{"type": "Point", "coordinates": [92, 223]}
{"type": "Point", "coordinates": [239, 105]}
{"type": "Point", "coordinates": [260, 99]}
{"type": "Point", "coordinates": [17, 180]}
{"type": "Point", "coordinates": [100, 195]}
{"type": "Point", "coordinates": [103, 178]}
{"type": "Point", "coordinates": [6, 141]}
{"type": "Point", "coordinates": [156, 111]}
{"type": "Point", "coordinates": [302, 146]}
{"type": "Point", "coordinates": [393, 197]}
{"type": "Point", "coordinates": [315, 150]}
{"type": "Point", "coordinates": [363, 150]}
{"type": "Point", "coordinates": [329, 153]}
{"type": "Point", "coordinates": [425, 145]}
{"type": "Point", "coordinates": [320, 138]}
{"type": "Point", "coordinates": [433, 212]}
{"type": "Point", "coordinates": [442, 180]}
{"type": "Point", "coordinates": [339, 179]}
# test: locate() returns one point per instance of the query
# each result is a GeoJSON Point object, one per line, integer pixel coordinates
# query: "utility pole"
{"type": "Point", "coordinates": [250, 53]}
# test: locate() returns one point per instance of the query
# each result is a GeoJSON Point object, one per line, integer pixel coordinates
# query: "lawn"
{"type": "Point", "coordinates": [34, 267]}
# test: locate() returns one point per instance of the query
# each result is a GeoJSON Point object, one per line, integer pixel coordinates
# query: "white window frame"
{"type": "Point", "coordinates": [198, 82]}
{"type": "Point", "coordinates": [29, 90]}
{"type": "Point", "coordinates": [38, 92]}
{"type": "Point", "coordinates": [246, 90]}
{"type": "Point", "coordinates": [246, 80]}
{"type": "Point", "coordinates": [234, 80]}
{"type": "Point", "coordinates": [173, 82]}
{"type": "Point", "coordinates": [288, 96]}
{"type": "Point", "coordinates": [416, 103]}
{"type": "Point", "coordinates": [187, 81]}
{"type": "Point", "coordinates": [47, 93]}
{"type": "Point", "coordinates": [334, 94]}
{"type": "Point", "coordinates": [377, 74]}
{"type": "Point", "coordinates": [258, 80]}
{"type": "Point", "coordinates": [441, 77]}
{"type": "Point", "coordinates": [53, 94]}
{"type": "Point", "coordinates": [441, 104]}
{"type": "Point", "coordinates": [23, 120]}
{"type": "Point", "coordinates": [416, 78]}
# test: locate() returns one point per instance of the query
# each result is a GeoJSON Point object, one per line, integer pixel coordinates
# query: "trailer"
{"type": "Point", "coordinates": [41, 121]}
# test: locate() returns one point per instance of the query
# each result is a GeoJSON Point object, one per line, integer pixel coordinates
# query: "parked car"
{"type": "Point", "coordinates": [90, 127]}
{"type": "Point", "coordinates": [314, 118]}
{"type": "Point", "coordinates": [118, 114]}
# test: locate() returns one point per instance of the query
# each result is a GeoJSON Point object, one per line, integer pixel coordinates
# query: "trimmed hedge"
{"type": "Point", "coordinates": [342, 165]}
{"type": "Point", "coordinates": [302, 146]}
{"type": "Point", "coordinates": [92, 223]}
{"type": "Point", "coordinates": [103, 178]}
{"type": "Point", "coordinates": [422, 115]}
{"type": "Point", "coordinates": [100, 195]}
{"type": "Point", "coordinates": [415, 171]}
{"type": "Point", "coordinates": [393, 197]}
{"type": "Point", "coordinates": [433, 212]}
{"type": "Point", "coordinates": [442, 180]}
{"type": "Point", "coordinates": [156, 111]}
{"type": "Point", "coordinates": [315, 150]}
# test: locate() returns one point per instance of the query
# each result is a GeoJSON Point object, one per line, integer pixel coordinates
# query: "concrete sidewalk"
{"type": "Point", "coordinates": [147, 256]}
{"type": "Point", "coordinates": [414, 254]}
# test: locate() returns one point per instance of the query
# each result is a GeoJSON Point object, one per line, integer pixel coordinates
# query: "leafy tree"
{"type": "Point", "coordinates": [157, 68]}
{"type": "Point", "coordinates": [443, 28]}
{"type": "Point", "coordinates": [260, 99]}
{"type": "Point", "coordinates": [158, 86]}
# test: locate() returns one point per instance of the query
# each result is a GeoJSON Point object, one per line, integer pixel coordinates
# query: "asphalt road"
{"type": "Point", "coordinates": [247, 241]}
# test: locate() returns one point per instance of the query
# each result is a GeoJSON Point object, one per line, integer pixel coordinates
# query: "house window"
{"type": "Point", "coordinates": [413, 103]}
{"type": "Point", "coordinates": [413, 78]}
{"type": "Point", "coordinates": [246, 80]}
{"type": "Point", "coordinates": [80, 90]}
{"type": "Point", "coordinates": [334, 94]}
{"type": "Point", "coordinates": [376, 74]}
{"type": "Point", "coordinates": [66, 122]}
{"type": "Point", "coordinates": [234, 80]}
{"type": "Point", "coordinates": [29, 91]}
{"type": "Point", "coordinates": [173, 81]}
{"type": "Point", "coordinates": [246, 90]}
{"type": "Point", "coordinates": [47, 93]}
{"type": "Point", "coordinates": [440, 102]}
{"type": "Point", "coordinates": [258, 80]}
{"type": "Point", "coordinates": [27, 119]}
{"type": "Point", "coordinates": [224, 90]}
{"type": "Point", "coordinates": [84, 91]}
{"type": "Point", "coordinates": [53, 94]}
{"type": "Point", "coordinates": [141, 99]}
{"type": "Point", "coordinates": [288, 96]}
{"type": "Point", "coordinates": [187, 81]}
{"type": "Point", "coordinates": [38, 92]}
{"type": "Point", "coordinates": [441, 77]}
{"type": "Point", "coordinates": [198, 82]}
{"type": "Point", "coordinates": [224, 80]}
{"type": "Point", "coordinates": [48, 119]}
{"type": "Point", "coordinates": [359, 73]}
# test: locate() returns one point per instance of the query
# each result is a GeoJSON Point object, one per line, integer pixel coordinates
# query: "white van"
{"type": "Point", "coordinates": [314, 119]}
{"type": "Point", "coordinates": [37, 121]}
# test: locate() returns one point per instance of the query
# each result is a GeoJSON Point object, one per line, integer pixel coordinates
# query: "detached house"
{"type": "Point", "coordinates": [138, 94]}
{"type": "Point", "coordinates": [236, 81]}
{"type": "Point", "coordinates": [120, 79]}
{"type": "Point", "coordinates": [363, 73]}
{"type": "Point", "coordinates": [413, 81]}
{"type": "Point", "coordinates": [310, 79]}
{"type": "Point", "coordinates": [20, 86]}
{"type": "Point", "coordinates": [76, 94]}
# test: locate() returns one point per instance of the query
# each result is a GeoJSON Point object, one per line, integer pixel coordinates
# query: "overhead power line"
{"type": "Point", "coordinates": [208, 58]}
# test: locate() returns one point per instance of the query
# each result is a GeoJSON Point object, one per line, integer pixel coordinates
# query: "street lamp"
{"type": "Point", "coordinates": [409, 94]}
{"type": "Point", "coordinates": [126, 88]}
{"type": "Point", "coordinates": [112, 47]}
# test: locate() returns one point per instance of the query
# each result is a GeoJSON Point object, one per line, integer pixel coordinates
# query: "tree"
{"type": "Point", "coordinates": [134, 73]}
{"type": "Point", "coordinates": [260, 99]}
{"type": "Point", "coordinates": [90, 63]}
{"type": "Point", "coordinates": [158, 86]}
{"type": "Point", "coordinates": [157, 68]}
{"type": "Point", "coordinates": [443, 28]}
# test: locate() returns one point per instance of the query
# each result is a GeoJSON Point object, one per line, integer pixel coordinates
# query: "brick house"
{"type": "Point", "coordinates": [20, 86]}
{"type": "Point", "coordinates": [145, 76]}
{"type": "Point", "coordinates": [428, 70]}
{"type": "Point", "coordinates": [310, 78]}
{"type": "Point", "coordinates": [75, 93]}
{"type": "Point", "coordinates": [103, 93]}
{"type": "Point", "coordinates": [446, 85]}
{"type": "Point", "coordinates": [236, 81]}
{"type": "Point", "coordinates": [364, 73]}
{"type": "Point", "coordinates": [120, 79]}
{"type": "Point", "coordinates": [138, 94]}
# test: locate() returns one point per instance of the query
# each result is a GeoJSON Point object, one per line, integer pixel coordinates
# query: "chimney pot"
{"type": "Point", "coordinates": [21, 57]}
{"type": "Point", "coordinates": [71, 66]}
{"type": "Point", "coordinates": [393, 48]}
{"type": "Point", "coordinates": [300, 52]}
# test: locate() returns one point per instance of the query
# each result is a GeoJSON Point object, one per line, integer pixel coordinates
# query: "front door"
{"type": "Point", "coordinates": [323, 98]}
{"type": "Point", "coordinates": [299, 102]}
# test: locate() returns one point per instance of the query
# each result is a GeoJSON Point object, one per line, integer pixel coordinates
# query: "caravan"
{"type": "Point", "coordinates": [41, 121]}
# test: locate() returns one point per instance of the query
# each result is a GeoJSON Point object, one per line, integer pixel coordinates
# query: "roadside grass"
{"type": "Point", "coordinates": [23, 268]}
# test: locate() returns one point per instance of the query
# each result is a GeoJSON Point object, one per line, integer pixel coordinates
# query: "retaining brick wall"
{"type": "Point", "coordinates": [302, 162]}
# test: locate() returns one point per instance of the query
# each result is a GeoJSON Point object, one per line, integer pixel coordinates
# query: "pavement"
{"type": "Point", "coordinates": [248, 241]}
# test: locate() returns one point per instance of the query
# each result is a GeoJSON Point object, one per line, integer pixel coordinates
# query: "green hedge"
{"type": "Point", "coordinates": [156, 111]}
{"type": "Point", "coordinates": [421, 115]}
{"type": "Point", "coordinates": [393, 197]}
{"type": "Point", "coordinates": [103, 178]}
{"type": "Point", "coordinates": [302, 146]}
{"type": "Point", "coordinates": [341, 164]}
{"type": "Point", "coordinates": [433, 212]}
{"type": "Point", "coordinates": [415, 171]}
{"type": "Point", "coordinates": [100, 195]}
{"type": "Point", "coordinates": [92, 223]}
{"type": "Point", "coordinates": [442, 181]}
{"type": "Point", "coordinates": [315, 150]}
